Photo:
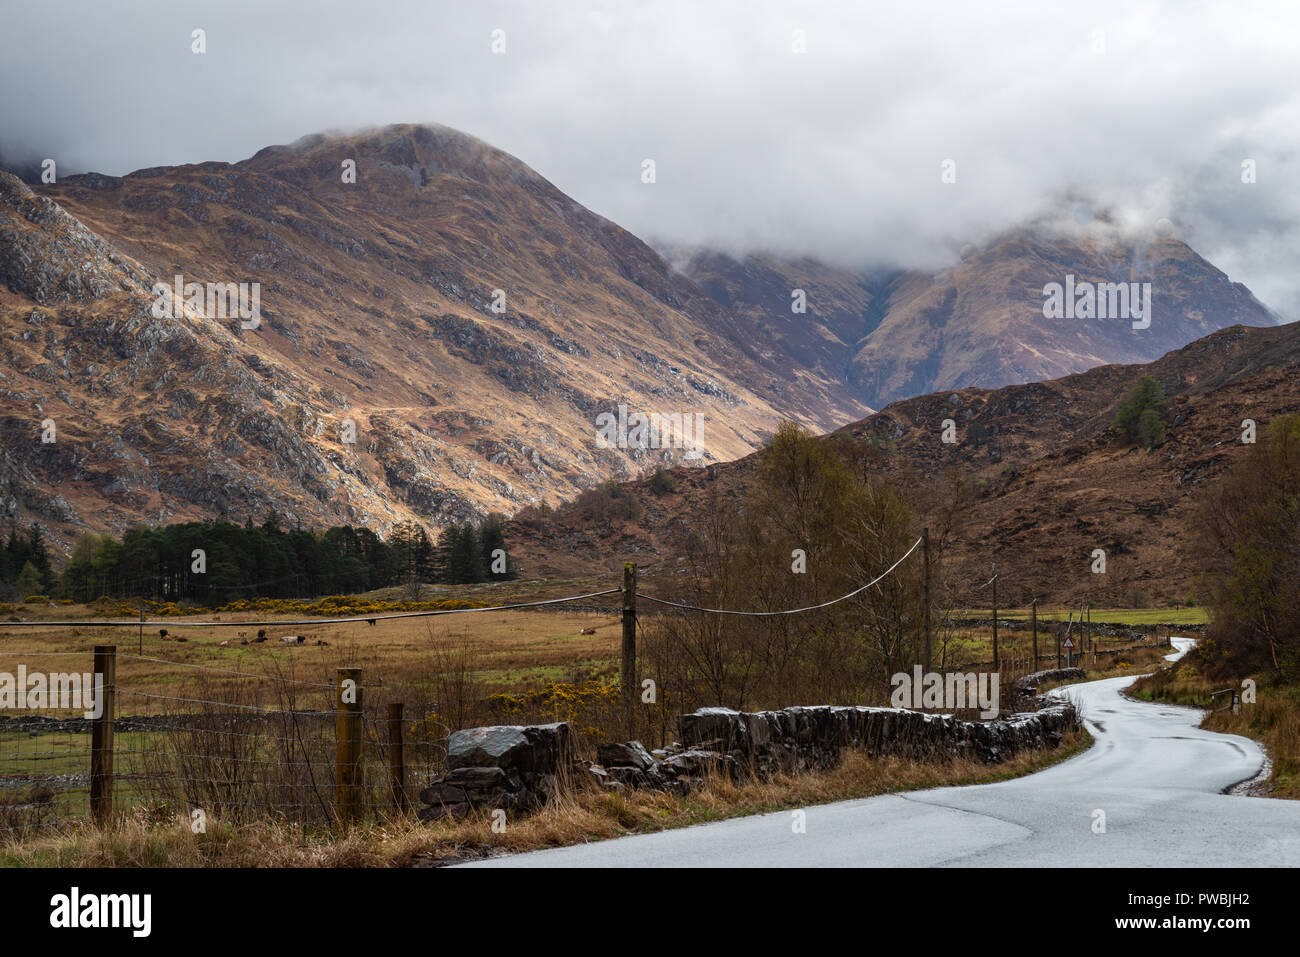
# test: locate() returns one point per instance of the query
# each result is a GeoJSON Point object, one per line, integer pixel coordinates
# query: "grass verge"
{"type": "Point", "coordinates": [573, 819]}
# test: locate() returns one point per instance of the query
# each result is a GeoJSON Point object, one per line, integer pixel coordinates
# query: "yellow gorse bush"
{"type": "Point", "coordinates": [332, 606]}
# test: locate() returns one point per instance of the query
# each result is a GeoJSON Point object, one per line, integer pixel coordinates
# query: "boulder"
{"type": "Point", "coordinates": [631, 754]}
{"type": "Point", "coordinates": [543, 749]}
{"type": "Point", "coordinates": [715, 724]}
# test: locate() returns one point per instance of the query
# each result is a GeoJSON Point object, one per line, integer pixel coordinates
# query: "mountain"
{"type": "Point", "coordinates": [468, 324]}
{"type": "Point", "coordinates": [1047, 481]}
{"type": "Point", "coordinates": [377, 306]}
{"type": "Point", "coordinates": [895, 334]}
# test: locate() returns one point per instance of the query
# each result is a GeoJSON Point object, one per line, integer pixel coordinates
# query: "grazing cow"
{"type": "Point", "coordinates": [587, 631]}
{"type": "Point", "coordinates": [162, 633]}
{"type": "Point", "coordinates": [293, 639]}
{"type": "Point", "coordinates": [225, 643]}
{"type": "Point", "coordinates": [321, 644]}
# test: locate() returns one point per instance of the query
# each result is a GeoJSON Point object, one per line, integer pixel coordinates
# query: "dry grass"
{"type": "Point", "coordinates": [572, 819]}
{"type": "Point", "coordinates": [513, 650]}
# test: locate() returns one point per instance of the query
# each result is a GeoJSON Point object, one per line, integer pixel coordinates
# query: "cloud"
{"type": "Point", "coordinates": [834, 152]}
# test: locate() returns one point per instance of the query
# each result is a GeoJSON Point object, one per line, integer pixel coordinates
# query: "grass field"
{"type": "Point", "coordinates": [447, 669]}
{"type": "Point", "coordinates": [1112, 616]}
{"type": "Point", "coordinates": [507, 651]}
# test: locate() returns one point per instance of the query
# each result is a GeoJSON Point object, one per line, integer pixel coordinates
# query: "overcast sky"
{"type": "Point", "coordinates": [835, 151]}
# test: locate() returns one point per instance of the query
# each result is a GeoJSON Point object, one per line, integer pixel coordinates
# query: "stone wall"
{"type": "Point", "coordinates": [515, 767]}
{"type": "Point", "coordinates": [811, 738]}
{"type": "Point", "coordinates": [521, 767]}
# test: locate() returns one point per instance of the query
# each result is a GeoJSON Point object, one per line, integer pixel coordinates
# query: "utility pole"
{"type": "Point", "coordinates": [995, 617]}
{"type": "Point", "coordinates": [1033, 624]}
{"type": "Point", "coordinates": [629, 642]}
{"type": "Point", "coordinates": [925, 553]}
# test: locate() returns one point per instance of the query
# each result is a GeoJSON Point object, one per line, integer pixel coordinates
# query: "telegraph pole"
{"type": "Point", "coordinates": [629, 642]}
{"type": "Point", "coordinates": [1033, 624]}
{"type": "Point", "coordinates": [995, 617]}
{"type": "Point", "coordinates": [925, 553]}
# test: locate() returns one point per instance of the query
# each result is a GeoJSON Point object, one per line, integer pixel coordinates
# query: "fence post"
{"type": "Point", "coordinates": [1056, 629]}
{"type": "Point", "coordinates": [347, 743]}
{"type": "Point", "coordinates": [629, 643]}
{"type": "Point", "coordinates": [396, 756]}
{"type": "Point", "coordinates": [101, 735]}
{"type": "Point", "coordinates": [925, 555]}
{"type": "Point", "coordinates": [1033, 624]}
{"type": "Point", "coordinates": [995, 614]}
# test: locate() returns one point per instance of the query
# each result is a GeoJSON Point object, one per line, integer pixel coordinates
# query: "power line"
{"type": "Point", "coordinates": [790, 611]}
{"type": "Point", "coordinates": [306, 621]}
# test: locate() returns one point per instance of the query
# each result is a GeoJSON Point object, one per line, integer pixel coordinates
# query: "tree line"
{"type": "Point", "coordinates": [25, 567]}
{"type": "Point", "coordinates": [217, 562]}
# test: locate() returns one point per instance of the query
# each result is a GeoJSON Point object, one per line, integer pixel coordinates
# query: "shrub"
{"type": "Point", "coordinates": [1141, 416]}
{"type": "Point", "coordinates": [661, 483]}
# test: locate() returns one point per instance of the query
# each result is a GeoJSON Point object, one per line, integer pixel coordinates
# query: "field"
{"type": "Point", "coordinates": [1186, 615]}
{"type": "Point", "coordinates": [255, 738]}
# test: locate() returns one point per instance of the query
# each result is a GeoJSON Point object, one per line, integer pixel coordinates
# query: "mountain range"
{"type": "Point", "coordinates": [467, 322]}
{"type": "Point", "coordinates": [1036, 478]}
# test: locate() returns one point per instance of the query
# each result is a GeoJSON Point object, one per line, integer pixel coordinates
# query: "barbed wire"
{"type": "Point", "coordinates": [788, 611]}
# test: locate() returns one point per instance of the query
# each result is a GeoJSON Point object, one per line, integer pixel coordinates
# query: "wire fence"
{"type": "Point", "coordinates": [200, 743]}
{"type": "Point", "coordinates": [164, 739]}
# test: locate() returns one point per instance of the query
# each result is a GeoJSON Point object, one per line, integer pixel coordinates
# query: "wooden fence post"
{"type": "Point", "coordinates": [101, 734]}
{"type": "Point", "coordinates": [629, 644]}
{"type": "Point", "coordinates": [396, 756]}
{"type": "Point", "coordinates": [995, 614]}
{"type": "Point", "coordinates": [925, 611]}
{"type": "Point", "coordinates": [347, 743]}
{"type": "Point", "coordinates": [1033, 624]}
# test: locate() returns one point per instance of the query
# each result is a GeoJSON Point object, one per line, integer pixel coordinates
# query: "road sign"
{"type": "Point", "coordinates": [1068, 643]}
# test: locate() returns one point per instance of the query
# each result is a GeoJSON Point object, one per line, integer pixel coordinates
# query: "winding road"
{"type": "Point", "coordinates": [1157, 778]}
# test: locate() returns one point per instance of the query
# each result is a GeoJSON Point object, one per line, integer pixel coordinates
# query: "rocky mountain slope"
{"type": "Point", "coordinates": [468, 317]}
{"type": "Point", "coordinates": [1047, 482]}
{"type": "Point", "coordinates": [440, 328]}
{"type": "Point", "coordinates": [897, 334]}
